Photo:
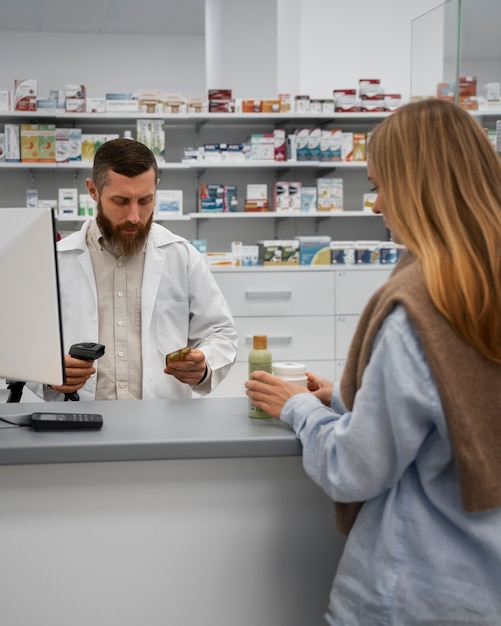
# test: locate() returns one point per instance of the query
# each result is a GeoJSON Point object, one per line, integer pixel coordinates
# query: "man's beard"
{"type": "Point", "coordinates": [123, 244]}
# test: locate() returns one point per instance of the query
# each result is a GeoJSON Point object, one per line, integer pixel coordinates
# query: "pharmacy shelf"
{"type": "Point", "coordinates": [242, 215]}
{"type": "Point", "coordinates": [183, 118]}
{"type": "Point", "coordinates": [199, 165]}
{"type": "Point", "coordinates": [279, 214]}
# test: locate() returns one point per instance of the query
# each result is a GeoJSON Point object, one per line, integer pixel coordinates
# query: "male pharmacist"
{"type": "Point", "coordinates": [140, 290]}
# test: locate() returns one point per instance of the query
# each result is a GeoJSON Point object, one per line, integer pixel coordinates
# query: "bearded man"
{"type": "Point", "coordinates": [139, 289]}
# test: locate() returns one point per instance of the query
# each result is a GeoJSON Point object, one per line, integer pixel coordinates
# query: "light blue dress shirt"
{"type": "Point", "coordinates": [413, 556]}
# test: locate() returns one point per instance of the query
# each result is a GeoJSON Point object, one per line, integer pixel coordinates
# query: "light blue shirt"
{"type": "Point", "coordinates": [413, 556]}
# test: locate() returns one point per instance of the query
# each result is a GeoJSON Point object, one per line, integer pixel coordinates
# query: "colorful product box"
{"type": "Point", "coordinates": [295, 188]}
{"type": "Point", "coordinates": [152, 134]}
{"type": "Point", "coordinates": [347, 146]}
{"type": "Point", "coordinates": [62, 145]}
{"type": "Point", "coordinates": [95, 105]}
{"type": "Point", "coordinates": [200, 245]}
{"type": "Point", "coordinates": [75, 144]}
{"type": "Point", "coordinates": [314, 144]}
{"type": "Point", "coordinates": [47, 143]}
{"type": "Point", "coordinates": [279, 144]}
{"type": "Point", "coordinates": [29, 143]}
{"type": "Point", "coordinates": [314, 250]}
{"type": "Point", "coordinates": [308, 199]}
{"type": "Point", "coordinates": [211, 198]}
{"type": "Point", "coordinates": [359, 144]}
{"type": "Point", "coordinates": [230, 199]}
{"type": "Point", "coordinates": [330, 194]}
{"type": "Point", "coordinates": [5, 100]}
{"type": "Point", "coordinates": [12, 143]}
{"type": "Point", "coordinates": [278, 252]}
{"type": "Point", "coordinates": [342, 252]}
{"type": "Point", "coordinates": [302, 150]}
{"type": "Point", "coordinates": [367, 252]}
{"type": "Point", "coordinates": [25, 94]}
{"type": "Point", "coordinates": [169, 202]}
{"type": "Point", "coordinates": [75, 98]}
{"type": "Point", "coordinates": [67, 202]}
{"type": "Point", "coordinates": [121, 102]}
{"type": "Point", "coordinates": [262, 147]}
{"type": "Point", "coordinates": [281, 196]}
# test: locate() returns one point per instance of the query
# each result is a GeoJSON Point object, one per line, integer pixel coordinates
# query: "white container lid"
{"type": "Point", "coordinates": [289, 368]}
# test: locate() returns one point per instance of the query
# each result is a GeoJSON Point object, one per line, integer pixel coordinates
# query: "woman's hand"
{"type": "Point", "coordinates": [270, 393]}
{"type": "Point", "coordinates": [321, 388]}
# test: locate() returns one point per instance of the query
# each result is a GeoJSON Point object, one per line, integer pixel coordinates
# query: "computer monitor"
{"type": "Point", "coordinates": [31, 341]}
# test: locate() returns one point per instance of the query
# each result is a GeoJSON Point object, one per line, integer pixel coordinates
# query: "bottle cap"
{"type": "Point", "coordinates": [260, 342]}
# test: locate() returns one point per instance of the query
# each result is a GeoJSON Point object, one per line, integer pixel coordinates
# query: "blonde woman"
{"type": "Point", "coordinates": [409, 446]}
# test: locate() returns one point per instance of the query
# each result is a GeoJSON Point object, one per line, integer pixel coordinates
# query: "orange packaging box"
{"type": "Point", "coordinates": [252, 106]}
{"type": "Point", "coordinates": [271, 106]}
{"type": "Point", "coordinates": [29, 143]}
{"type": "Point", "coordinates": [359, 143]}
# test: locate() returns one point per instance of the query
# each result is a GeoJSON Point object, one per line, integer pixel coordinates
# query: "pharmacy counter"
{"type": "Point", "coordinates": [149, 429]}
{"type": "Point", "coordinates": [177, 512]}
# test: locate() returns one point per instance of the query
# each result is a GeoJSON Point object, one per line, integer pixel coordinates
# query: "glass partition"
{"type": "Point", "coordinates": [435, 52]}
{"type": "Point", "coordinates": [456, 53]}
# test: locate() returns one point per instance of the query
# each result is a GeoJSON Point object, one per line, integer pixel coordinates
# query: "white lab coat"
{"type": "Point", "coordinates": [181, 304]}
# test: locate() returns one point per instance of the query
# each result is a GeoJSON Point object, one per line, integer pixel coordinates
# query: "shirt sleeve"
{"type": "Point", "coordinates": [357, 455]}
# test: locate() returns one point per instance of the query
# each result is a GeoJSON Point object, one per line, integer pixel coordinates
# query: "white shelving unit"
{"type": "Point", "coordinates": [182, 130]}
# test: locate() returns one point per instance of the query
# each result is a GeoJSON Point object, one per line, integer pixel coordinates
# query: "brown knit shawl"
{"type": "Point", "coordinates": [469, 386]}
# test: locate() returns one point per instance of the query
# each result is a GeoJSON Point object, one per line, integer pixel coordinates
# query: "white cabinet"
{"type": "Point", "coordinates": [353, 288]}
{"type": "Point", "coordinates": [309, 314]}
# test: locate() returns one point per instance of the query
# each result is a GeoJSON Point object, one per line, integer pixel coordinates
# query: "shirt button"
{"type": "Point", "coordinates": [120, 293]}
{"type": "Point", "coordinates": [120, 323]}
{"type": "Point", "coordinates": [119, 263]}
{"type": "Point", "coordinates": [120, 354]}
{"type": "Point", "coordinates": [122, 385]}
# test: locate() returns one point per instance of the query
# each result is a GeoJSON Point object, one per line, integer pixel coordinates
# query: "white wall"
{"type": "Point", "coordinates": [257, 48]}
{"type": "Point", "coordinates": [104, 63]}
{"type": "Point", "coordinates": [343, 41]}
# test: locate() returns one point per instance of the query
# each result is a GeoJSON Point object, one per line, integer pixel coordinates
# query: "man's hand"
{"type": "Point", "coordinates": [77, 373]}
{"type": "Point", "coordinates": [190, 370]}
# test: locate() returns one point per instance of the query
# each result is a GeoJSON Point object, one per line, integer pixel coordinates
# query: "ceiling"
{"type": "Point", "coordinates": [141, 17]}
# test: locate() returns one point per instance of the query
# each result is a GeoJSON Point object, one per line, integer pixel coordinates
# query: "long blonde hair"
{"type": "Point", "coordinates": [441, 179]}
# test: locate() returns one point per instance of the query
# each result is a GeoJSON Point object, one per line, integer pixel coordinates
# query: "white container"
{"type": "Point", "coordinates": [291, 372]}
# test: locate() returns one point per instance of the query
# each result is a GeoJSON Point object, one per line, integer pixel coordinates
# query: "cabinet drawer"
{"type": "Point", "coordinates": [345, 326]}
{"type": "Point", "coordinates": [233, 385]}
{"type": "Point", "coordinates": [277, 293]}
{"type": "Point", "coordinates": [290, 338]}
{"type": "Point", "coordinates": [354, 288]}
{"type": "Point", "coordinates": [339, 368]}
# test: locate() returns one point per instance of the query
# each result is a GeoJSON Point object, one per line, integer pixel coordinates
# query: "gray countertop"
{"type": "Point", "coordinates": [135, 430]}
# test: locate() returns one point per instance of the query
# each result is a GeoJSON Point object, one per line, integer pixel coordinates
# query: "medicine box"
{"type": "Point", "coordinates": [330, 194]}
{"type": "Point", "coordinates": [12, 147]}
{"type": "Point", "coordinates": [169, 202]}
{"type": "Point", "coordinates": [46, 143]}
{"type": "Point", "coordinates": [314, 250]}
{"type": "Point", "coordinates": [67, 202]}
{"type": "Point", "coordinates": [29, 143]}
{"type": "Point", "coordinates": [278, 252]}
{"type": "Point", "coordinates": [25, 94]}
